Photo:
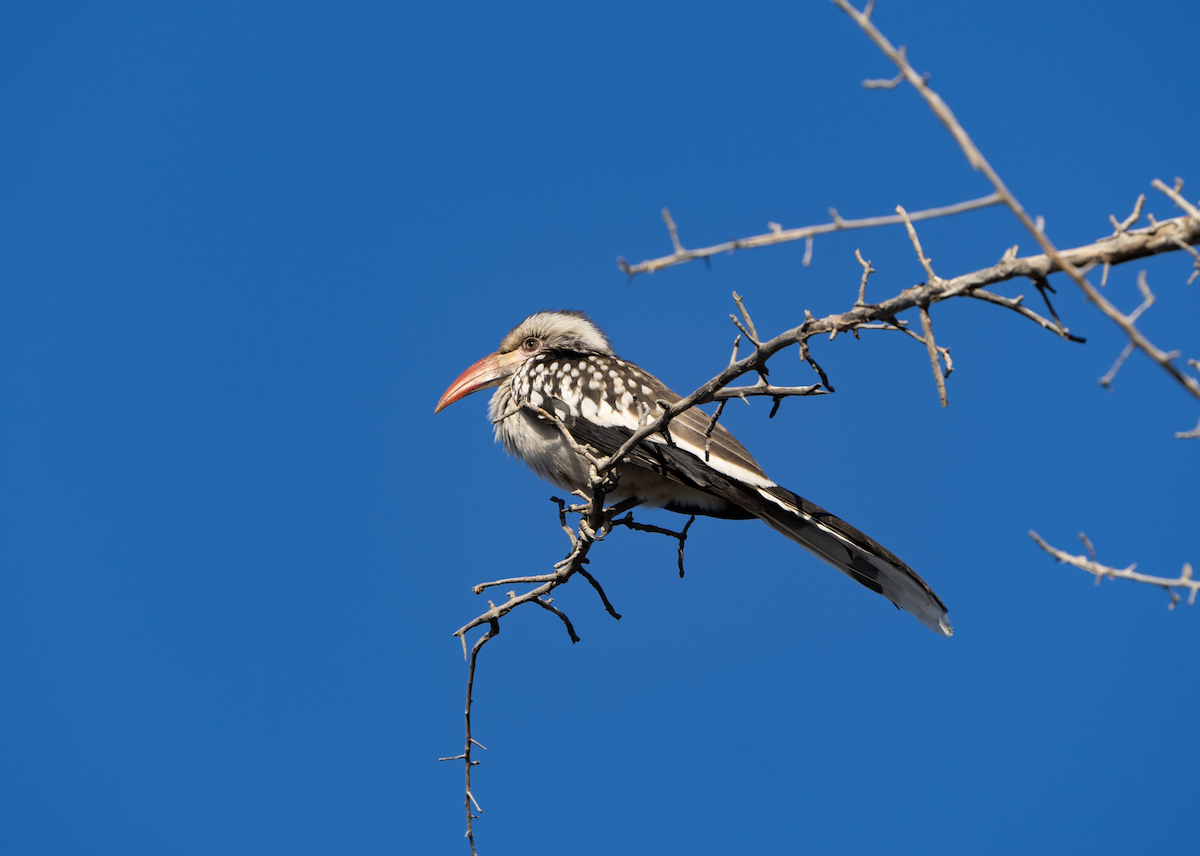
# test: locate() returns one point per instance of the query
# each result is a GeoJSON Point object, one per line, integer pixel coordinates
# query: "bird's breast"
{"type": "Point", "coordinates": [538, 442]}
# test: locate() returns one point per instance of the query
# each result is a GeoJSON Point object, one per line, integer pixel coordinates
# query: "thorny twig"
{"type": "Point", "coordinates": [916, 242]}
{"type": "Point", "coordinates": [931, 346]}
{"type": "Point", "coordinates": [1135, 215]}
{"type": "Point", "coordinates": [867, 271]}
{"type": "Point", "coordinates": [926, 322]}
{"type": "Point", "coordinates": [465, 757]}
{"type": "Point", "coordinates": [1194, 434]}
{"type": "Point", "coordinates": [681, 535]}
{"type": "Point", "coordinates": [712, 422]}
{"type": "Point", "coordinates": [1160, 237]}
{"type": "Point", "coordinates": [1061, 260]}
{"type": "Point", "coordinates": [1147, 302]}
{"type": "Point", "coordinates": [779, 235]}
{"type": "Point", "coordinates": [753, 334]}
{"type": "Point", "coordinates": [595, 521]}
{"type": "Point", "coordinates": [1183, 581]}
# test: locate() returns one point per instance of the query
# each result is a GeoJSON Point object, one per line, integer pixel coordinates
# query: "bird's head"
{"type": "Point", "coordinates": [551, 331]}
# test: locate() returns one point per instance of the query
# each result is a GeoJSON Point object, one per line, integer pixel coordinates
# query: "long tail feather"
{"type": "Point", "coordinates": [856, 555]}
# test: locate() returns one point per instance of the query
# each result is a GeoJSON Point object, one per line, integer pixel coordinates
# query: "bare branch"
{"type": "Point", "coordinates": [666, 215]}
{"type": "Point", "coordinates": [608, 607]}
{"type": "Point", "coordinates": [783, 236]}
{"type": "Point", "coordinates": [749, 330]}
{"type": "Point", "coordinates": [712, 425]}
{"type": "Point", "coordinates": [807, 356]}
{"type": "Point", "coordinates": [1177, 198]}
{"type": "Point", "coordinates": [468, 762]}
{"type": "Point", "coordinates": [916, 242]}
{"type": "Point", "coordinates": [595, 521]}
{"type": "Point", "coordinates": [681, 535]}
{"type": "Point", "coordinates": [1174, 195]}
{"type": "Point", "coordinates": [1148, 296]}
{"type": "Point", "coordinates": [884, 84]}
{"type": "Point", "coordinates": [1194, 434]}
{"type": "Point", "coordinates": [763, 388]}
{"type": "Point", "coordinates": [1132, 218]}
{"type": "Point", "coordinates": [976, 159]}
{"type": "Point", "coordinates": [1015, 304]}
{"type": "Point", "coordinates": [1147, 302]}
{"type": "Point", "coordinates": [1183, 581]}
{"type": "Point", "coordinates": [862, 286]}
{"type": "Point", "coordinates": [544, 603]}
{"type": "Point", "coordinates": [1162, 236]}
{"type": "Point", "coordinates": [1107, 380]}
{"type": "Point", "coordinates": [1195, 261]}
{"type": "Point", "coordinates": [931, 346]}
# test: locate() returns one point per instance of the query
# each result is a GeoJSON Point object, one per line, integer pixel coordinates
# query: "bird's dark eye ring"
{"type": "Point", "coordinates": [531, 344]}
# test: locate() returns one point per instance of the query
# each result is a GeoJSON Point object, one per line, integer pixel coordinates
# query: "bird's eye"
{"type": "Point", "coordinates": [533, 343]}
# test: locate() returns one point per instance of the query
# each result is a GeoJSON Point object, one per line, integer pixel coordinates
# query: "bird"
{"type": "Point", "coordinates": [559, 362]}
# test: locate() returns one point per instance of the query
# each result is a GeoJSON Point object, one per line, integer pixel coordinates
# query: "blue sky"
{"type": "Point", "coordinates": [245, 247]}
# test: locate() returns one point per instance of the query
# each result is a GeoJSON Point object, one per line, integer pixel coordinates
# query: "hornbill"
{"type": "Point", "coordinates": [560, 362]}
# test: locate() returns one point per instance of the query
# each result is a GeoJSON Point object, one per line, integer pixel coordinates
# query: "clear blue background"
{"type": "Point", "coordinates": [245, 246]}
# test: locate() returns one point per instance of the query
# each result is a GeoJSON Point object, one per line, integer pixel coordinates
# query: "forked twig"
{"type": "Point", "coordinates": [783, 236]}
{"type": "Point", "coordinates": [1183, 581]}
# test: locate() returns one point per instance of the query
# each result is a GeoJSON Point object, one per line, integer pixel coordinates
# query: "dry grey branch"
{"type": "Point", "coordinates": [862, 286]}
{"type": "Point", "coordinates": [1140, 243]}
{"type": "Point", "coordinates": [1131, 219]}
{"type": "Point", "coordinates": [1194, 434]}
{"type": "Point", "coordinates": [465, 757]}
{"type": "Point", "coordinates": [1183, 581]}
{"type": "Point", "coordinates": [807, 356]}
{"type": "Point", "coordinates": [1159, 237]}
{"type": "Point", "coordinates": [1195, 262]}
{"type": "Point", "coordinates": [1147, 302]}
{"type": "Point", "coordinates": [674, 232]}
{"type": "Point", "coordinates": [712, 425]}
{"type": "Point", "coordinates": [1174, 195]}
{"type": "Point", "coordinates": [753, 334]}
{"type": "Point", "coordinates": [1107, 380]}
{"type": "Point", "coordinates": [1177, 198]}
{"type": "Point", "coordinates": [782, 236]}
{"type": "Point", "coordinates": [931, 346]}
{"type": "Point", "coordinates": [891, 83]}
{"type": "Point", "coordinates": [977, 161]}
{"type": "Point", "coordinates": [926, 263]}
{"type": "Point", "coordinates": [763, 388]}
